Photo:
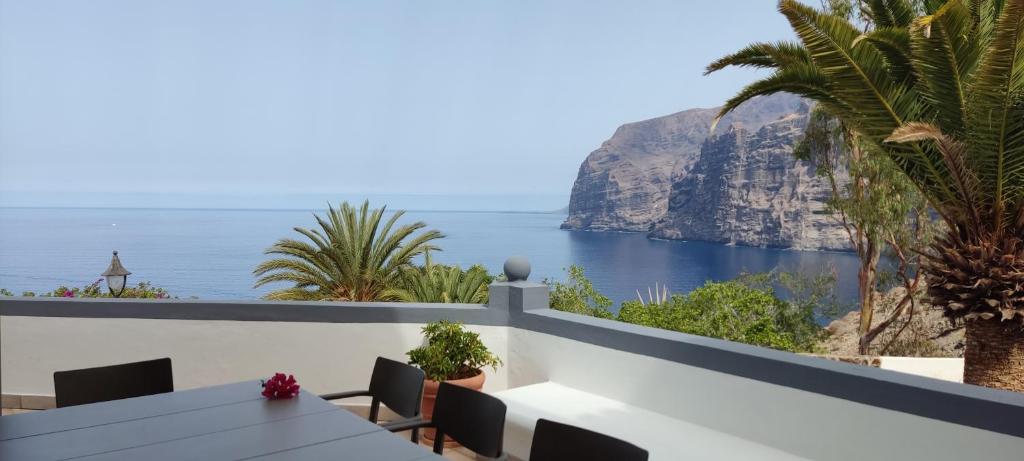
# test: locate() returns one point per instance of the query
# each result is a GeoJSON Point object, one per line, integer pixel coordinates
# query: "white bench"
{"type": "Point", "coordinates": [665, 438]}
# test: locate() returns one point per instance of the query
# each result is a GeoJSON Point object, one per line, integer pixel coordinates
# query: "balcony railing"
{"type": "Point", "coordinates": [802, 406]}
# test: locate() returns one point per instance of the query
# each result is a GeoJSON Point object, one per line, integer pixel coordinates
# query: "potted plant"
{"type": "Point", "coordinates": [453, 355]}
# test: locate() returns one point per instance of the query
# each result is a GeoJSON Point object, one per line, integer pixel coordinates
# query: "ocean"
{"type": "Point", "coordinates": [210, 253]}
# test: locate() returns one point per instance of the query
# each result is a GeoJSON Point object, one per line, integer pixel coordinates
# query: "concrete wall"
{"type": "Point", "coordinates": [339, 356]}
{"type": "Point", "coordinates": [807, 406]}
{"type": "Point", "coordinates": [803, 423]}
{"type": "Point", "coordinates": [324, 357]}
{"type": "Point", "coordinates": [947, 369]}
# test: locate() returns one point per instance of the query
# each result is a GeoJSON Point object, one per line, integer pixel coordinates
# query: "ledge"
{"type": "Point", "coordinates": [252, 311]}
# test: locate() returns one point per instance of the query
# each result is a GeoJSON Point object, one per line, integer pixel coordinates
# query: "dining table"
{"type": "Point", "coordinates": [225, 422]}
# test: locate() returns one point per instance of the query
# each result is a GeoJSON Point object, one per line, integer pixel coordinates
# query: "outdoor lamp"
{"type": "Point", "coordinates": [117, 276]}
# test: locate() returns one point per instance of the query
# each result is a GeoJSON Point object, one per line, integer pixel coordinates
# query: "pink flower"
{"type": "Point", "coordinates": [280, 387]}
{"type": "Point", "coordinates": [69, 294]}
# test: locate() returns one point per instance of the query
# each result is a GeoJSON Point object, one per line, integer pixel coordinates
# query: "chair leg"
{"type": "Point", "coordinates": [374, 410]}
{"type": "Point", "coordinates": [415, 437]}
{"type": "Point", "coordinates": [439, 442]}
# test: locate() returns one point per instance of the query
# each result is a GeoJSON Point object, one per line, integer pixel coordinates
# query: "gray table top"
{"type": "Point", "coordinates": [229, 422]}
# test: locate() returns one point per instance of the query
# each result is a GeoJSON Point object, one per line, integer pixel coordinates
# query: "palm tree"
{"type": "Point", "coordinates": [438, 283]}
{"type": "Point", "coordinates": [940, 91]}
{"type": "Point", "coordinates": [352, 257]}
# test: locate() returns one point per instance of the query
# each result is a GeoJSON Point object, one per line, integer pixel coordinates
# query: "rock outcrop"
{"type": "Point", "coordinates": [624, 185]}
{"type": "Point", "coordinates": [671, 177]}
{"type": "Point", "coordinates": [749, 189]}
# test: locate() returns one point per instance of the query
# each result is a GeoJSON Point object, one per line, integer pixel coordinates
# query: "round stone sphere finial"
{"type": "Point", "coordinates": [517, 269]}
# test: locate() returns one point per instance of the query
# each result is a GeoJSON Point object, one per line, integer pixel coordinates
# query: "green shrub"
{"type": "Point", "coordinates": [579, 296]}
{"type": "Point", "coordinates": [729, 310]}
{"type": "Point", "coordinates": [144, 290]}
{"type": "Point", "coordinates": [745, 310]}
{"type": "Point", "coordinates": [438, 283]}
{"type": "Point", "coordinates": [812, 300]}
{"type": "Point", "coordinates": [451, 352]}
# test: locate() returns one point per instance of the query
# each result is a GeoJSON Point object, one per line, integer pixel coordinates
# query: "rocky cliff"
{"type": "Point", "coordinates": [748, 189]}
{"type": "Point", "coordinates": [669, 176]}
{"type": "Point", "coordinates": [624, 185]}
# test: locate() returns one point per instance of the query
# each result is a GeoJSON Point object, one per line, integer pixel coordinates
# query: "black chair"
{"type": "Point", "coordinates": [472, 418]}
{"type": "Point", "coordinates": [395, 384]}
{"type": "Point", "coordinates": [561, 442]}
{"type": "Point", "coordinates": [100, 384]}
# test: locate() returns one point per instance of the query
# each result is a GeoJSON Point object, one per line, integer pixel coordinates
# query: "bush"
{"type": "Point", "coordinates": [451, 352]}
{"type": "Point", "coordinates": [812, 300]}
{"type": "Point", "coordinates": [579, 296]}
{"type": "Point", "coordinates": [727, 310]}
{"type": "Point", "coordinates": [745, 310]}
{"type": "Point", "coordinates": [144, 290]}
{"type": "Point", "coordinates": [438, 283]}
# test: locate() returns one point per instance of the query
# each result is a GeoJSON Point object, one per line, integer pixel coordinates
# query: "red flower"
{"type": "Point", "coordinates": [280, 387]}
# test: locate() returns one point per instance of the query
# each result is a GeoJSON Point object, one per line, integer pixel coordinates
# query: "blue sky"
{"type": "Point", "coordinates": [250, 98]}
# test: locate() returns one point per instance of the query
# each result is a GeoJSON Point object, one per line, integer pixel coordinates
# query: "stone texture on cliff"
{"type": "Point", "coordinates": [747, 188]}
{"type": "Point", "coordinates": [625, 184]}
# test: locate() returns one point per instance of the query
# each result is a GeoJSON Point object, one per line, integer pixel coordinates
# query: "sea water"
{"type": "Point", "coordinates": [210, 253]}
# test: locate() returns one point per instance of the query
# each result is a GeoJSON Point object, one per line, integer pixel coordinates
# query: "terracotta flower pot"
{"type": "Point", "coordinates": [430, 395]}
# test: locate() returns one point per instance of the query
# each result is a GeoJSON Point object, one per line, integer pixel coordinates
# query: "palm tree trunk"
{"type": "Point", "coordinates": [994, 355]}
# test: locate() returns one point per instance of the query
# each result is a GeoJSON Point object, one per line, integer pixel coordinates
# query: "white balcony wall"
{"type": "Point", "coordinates": [339, 356]}
{"type": "Point", "coordinates": [803, 423]}
{"type": "Point", "coordinates": [946, 369]}
{"type": "Point", "coordinates": [324, 357]}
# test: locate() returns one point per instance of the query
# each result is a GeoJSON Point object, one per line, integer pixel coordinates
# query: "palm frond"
{"type": "Point", "coordinates": [894, 44]}
{"type": "Point", "coordinates": [763, 55]}
{"type": "Point", "coordinates": [351, 257]}
{"type": "Point", "coordinates": [804, 80]}
{"type": "Point", "coordinates": [443, 284]}
{"type": "Point", "coordinates": [954, 152]}
{"type": "Point", "coordinates": [996, 117]}
{"type": "Point", "coordinates": [854, 74]}
{"type": "Point", "coordinates": [891, 13]}
{"type": "Point", "coordinates": [944, 55]}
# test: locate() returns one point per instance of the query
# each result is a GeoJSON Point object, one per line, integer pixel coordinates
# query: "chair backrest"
{"type": "Point", "coordinates": [100, 384]}
{"type": "Point", "coordinates": [474, 419]}
{"type": "Point", "coordinates": [397, 385]}
{"type": "Point", "coordinates": [561, 442]}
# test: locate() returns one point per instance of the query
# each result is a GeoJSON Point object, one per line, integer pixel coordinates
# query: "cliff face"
{"type": "Point", "coordinates": [665, 176]}
{"type": "Point", "coordinates": [624, 185]}
{"type": "Point", "coordinates": [748, 189]}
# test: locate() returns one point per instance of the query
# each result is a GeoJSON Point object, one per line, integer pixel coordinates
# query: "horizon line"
{"type": "Point", "coordinates": [410, 210]}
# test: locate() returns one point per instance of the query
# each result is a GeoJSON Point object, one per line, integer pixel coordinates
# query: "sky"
{"type": "Point", "coordinates": [268, 103]}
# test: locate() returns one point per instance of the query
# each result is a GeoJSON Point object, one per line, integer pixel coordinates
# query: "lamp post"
{"type": "Point", "coordinates": [117, 276]}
